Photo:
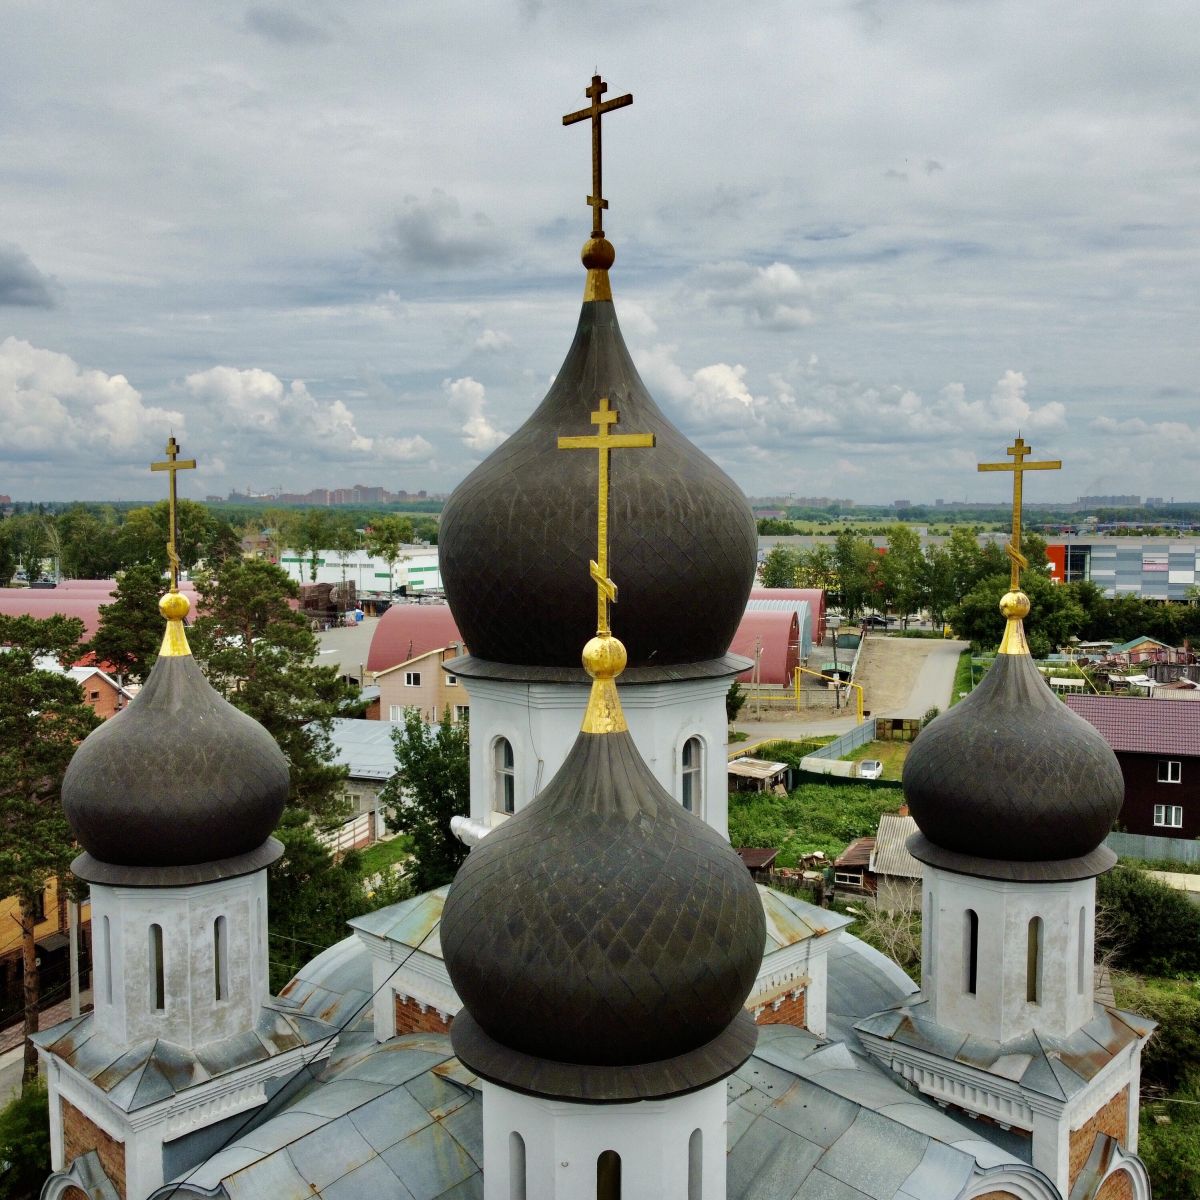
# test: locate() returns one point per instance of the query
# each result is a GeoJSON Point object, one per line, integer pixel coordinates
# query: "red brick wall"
{"type": "Point", "coordinates": [410, 1018]}
{"type": "Point", "coordinates": [105, 702]}
{"type": "Point", "coordinates": [790, 1012]}
{"type": "Point", "coordinates": [80, 1135]}
{"type": "Point", "coordinates": [1112, 1119]}
{"type": "Point", "coordinates": [1118, 1186]}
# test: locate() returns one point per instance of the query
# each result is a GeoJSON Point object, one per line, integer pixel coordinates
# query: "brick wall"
{"type": "Point", "coordinates": [80, 1135]}
{"type": "Point", "coordinates": [1116, 1187]}
{"type": "Point", "coordinates": [1112, 1118]}
{"type": "Point", "coordinates": [791, 1011]}
{"type": "Point", "coordinates": [411, 1019]}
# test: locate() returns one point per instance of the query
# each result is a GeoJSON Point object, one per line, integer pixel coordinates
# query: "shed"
{"type": "Point", "coordinates": [777, 634]}
{"type": "Point", "coordinates": [852, 868]}
{"type": "Point", "coordinates": [759, 861]}
{"type": "Point", "coordinates": [755, 774]}
{"type": "Point", "coordinates": [813, 597]}
{"type": "Point", "coordinates": [897, 874]}
{"type": "Point", "coordinates": [804, 620]}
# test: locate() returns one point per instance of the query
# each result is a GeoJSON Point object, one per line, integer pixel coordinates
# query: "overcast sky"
{"type": "Point", "coordinates": [859, 245]}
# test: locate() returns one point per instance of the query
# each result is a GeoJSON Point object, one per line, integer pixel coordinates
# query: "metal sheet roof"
{"type": "Point", "coordinates": [1140, 725]}
{"type": "Point", "coordinates": [364, 747]}
{"type": "Point", "coordinates": [890, 855]}
{"type": "Point", "coordinates": [755, 768]}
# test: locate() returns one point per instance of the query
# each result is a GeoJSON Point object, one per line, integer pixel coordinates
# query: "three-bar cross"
{"type": "Point", "coordinates": [604, 441]}
{"type": "Point", "coordinates": [1018, 450]}
{"type": "Point", "coordinates": [174, 464]}
{"type": "Point", "coordinates": [593, 113]}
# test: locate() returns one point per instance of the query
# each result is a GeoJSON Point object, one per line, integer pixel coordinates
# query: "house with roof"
{"type": "Point", "coordinates": [1143, 649]}
{"type": "Point", "coordinates": [408, 649]}
{"type": "Point", "coordinates": [1158, 748]}
{"type": "Point", "coordinates": [367, 751]}
{"type": "Point", "coordinates": [896, 873]}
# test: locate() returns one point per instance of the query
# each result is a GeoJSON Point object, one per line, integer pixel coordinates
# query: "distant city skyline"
{"type": "Point", "coordinates": [859, 247]}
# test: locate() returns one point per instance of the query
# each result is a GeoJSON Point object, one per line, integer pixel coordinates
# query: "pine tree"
{"type": "Point", "coordinates": [260, 654]}
{"type": "Point", "coordinates": [131, 628]}
{"type": "Point", "coordinates": [432, 783]}
{"type": "Point", "coordinates": [42, 719]}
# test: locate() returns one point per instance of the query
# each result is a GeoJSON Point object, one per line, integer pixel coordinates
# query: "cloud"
{"type": "Point", "coordinates": [256, 402]}
{"type": "Point", "coordinates": [435, 233]}
{"type": "Point", "coordinates": [492, 340]}
{"type": "Point", "coordinates": [279, 24]}
{"type": "Point", "coordinates": [468, 398]}
{"type": "Point", "coordinates": [50, 407]}
{"type": "Point", "coordinates": [774, 297]}
{"type": "Point", "coordinates": [22, 285]}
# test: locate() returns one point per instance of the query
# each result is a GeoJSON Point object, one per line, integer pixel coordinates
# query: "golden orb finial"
{"type": "Point", "coordinates": [604, 658]}
{"type": "Point", "coordinates": [1014, 607]}
{"type": "Point", "coordinates": [174, 606]}
{"type": "Point", "coordinates": [597, 255]}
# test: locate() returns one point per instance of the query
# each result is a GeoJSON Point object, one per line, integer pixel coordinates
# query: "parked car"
{"type": "Point", "coordinates": [870, 768]}
{"type": "Point", "coordinates": [875, 621]}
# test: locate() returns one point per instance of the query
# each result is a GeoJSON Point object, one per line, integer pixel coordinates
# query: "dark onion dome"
{"type": "Point", "coordinates": [513, 538]}
{"type": "Point", "coordinates": [1010, 783]}
{"type": "Point", "coordinates": [603, 928]}
{"type": "Point", "coordinates": [180, 787]}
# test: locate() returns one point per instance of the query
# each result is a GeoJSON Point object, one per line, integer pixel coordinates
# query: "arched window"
{"type": "Point", "coordinates": [1033, 963]}
{"type": "Point", "coordinates": [971, 952]}
{"type": "Point", "coordinates": [691, 768]}
{"type": "Point", "coordinates": [220, 959]}
{"type": "Point", "coordinates": [608, 1176]}
{"type": "Point", "coordinates": [516, 1167]}
{"type": "Point", "coordinates": [504, 776]}
{"type": "Point", "coordinates": [695, 1165]}
{"type": "Point", "coordinates": [106, 951]}
{"type": "Point", "coordinates": [1081, 974]}
{"type": "Point", "coordinates": [157, 969]}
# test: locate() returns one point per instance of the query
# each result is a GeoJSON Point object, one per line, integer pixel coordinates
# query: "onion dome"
{"type": "Point", "coordinates": [180, 787]}
{"type": "Point", "coordinates": [1010, 783]}
{"type": "Point", "coordinates": [512, 538]}
{"type": "Point", "coordinates": [603, 940]}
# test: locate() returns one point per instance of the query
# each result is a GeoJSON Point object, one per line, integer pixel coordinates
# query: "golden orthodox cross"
{"type": "Point", "coordinates": [594, 112]}
{"type": "Point", "coordinates": [174, 464]}
{"type": "Point", "coordinates": [605, 441]}
{"type": "Point", "coordinates": [1018, 450]}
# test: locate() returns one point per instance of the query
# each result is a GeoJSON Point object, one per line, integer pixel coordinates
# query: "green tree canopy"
{"type": "Point", "coordinates": [131, 627]}
{"type": "Point", "coordinates": [42, 719]}
{"type": "Point", "coordinates": [385, 538]}
{"type": "Point", "coordinates": [261, 655]}
{"type": "Point", "coordinates": [144, 534]}
{"type": "Point", "coordinates": [432, 783]}
{"type": "Point", "coordinates": [778, 568]}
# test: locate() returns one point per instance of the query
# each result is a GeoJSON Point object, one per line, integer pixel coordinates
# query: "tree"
{"type": "Point", "coordinates": [8, 554]}
{"type": "Point", "coordinates": [29, 542]}
{"type": "Point", "coordinates": [89, 544]}
{"type": "Point", "coordinates": [25, 1143]}
{"type": "Point", "coordinates": [735, 700]}
{"type": "Point", "coordinates": [778, 569]}
{"type": "Point", "coordinates": [938, 585]}
{"type": "Point", "coordinates": [903, 571]}
{"type": "Point", "coordinates": [432, 783]}
{"type": "Point", "coordinates": [385, 538]}
{"type": "Point", "coordinates": [816, 568]}
{"type": "Point", "coordinates": [42, 719]}
{"type": "Point", "coordinates": [312, 536]}
{"type": "Point", "coordinates": [856, 559]}
{"type": "Point", "coordinates": [131, 629]}
{"type": "Point", "coordinates": [1055, 613]}
{"type": "Point", "coordinates": [260, 654]}
{"type": "Point", "coordinates": [344, 538]}
{"type": "Point", "coordinates": [143, 536]}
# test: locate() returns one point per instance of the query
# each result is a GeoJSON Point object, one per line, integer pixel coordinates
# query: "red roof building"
{"type": "Point", "coordinates": [816, 604]}
{"type": "Point", "coordinates": [778, 635]}
{"type": "Point", "coordinates": [1158, 747]}
{"type": "Point", "coordinates": [408, 631]}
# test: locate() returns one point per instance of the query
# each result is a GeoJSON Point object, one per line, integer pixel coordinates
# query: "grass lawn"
{"type": "Point", "coordinates": [962, 678]}
{"type": "Point", "coordinates": [382, 855]}
{"type": "Point", "coordinates": [891, 754]}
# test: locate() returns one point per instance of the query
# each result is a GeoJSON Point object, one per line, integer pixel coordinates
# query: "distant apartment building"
{"type": "Point", "coordinates": [360, 493]}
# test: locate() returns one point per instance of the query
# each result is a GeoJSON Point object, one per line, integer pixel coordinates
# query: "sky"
{"type": "Point", "coordinates": [860, 245]}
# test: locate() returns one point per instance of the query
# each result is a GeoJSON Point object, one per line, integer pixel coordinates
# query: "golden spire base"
{"type": "Point", "coordinates": [604, 658]}
{"type": "Point", "coordinates": [598, 256]}
{"type": "Point", "coordinates": [1014, 607]}
{"type": "Point", "coordinates": [174, 607]}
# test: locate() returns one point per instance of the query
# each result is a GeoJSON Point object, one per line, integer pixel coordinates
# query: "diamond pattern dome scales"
{"type": "Point", "coordinates": [515, 535]}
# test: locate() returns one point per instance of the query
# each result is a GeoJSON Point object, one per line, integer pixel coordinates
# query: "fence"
{"type": "Point", "coordinates": [353, 834]}
{"type": "Point", "coordinates": [1145, 845]}
{"type": "Point", "coordinates": [826, 760]}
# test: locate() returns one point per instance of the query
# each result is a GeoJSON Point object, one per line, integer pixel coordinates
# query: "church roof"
{"type": "Point", "coordinates": [137, 1076]}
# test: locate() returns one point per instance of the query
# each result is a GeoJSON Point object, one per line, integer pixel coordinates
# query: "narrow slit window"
{"type": "Point", "coordinates": [157, 969]}
{"type": "Point", "coordinates": [1081, 980]}
{"type": "Point", "coordinates": [505, 776]}
{"type": "Point", "coordinates": [691, 767]}
{"type": "Point", "coordinates": [516, 1166]}
{"type": "Point", "coordinates": [608, 1176]}
{"type": "Point", "coordinates": [1033, 964]}
{"type": "Point", "coordinates": [971, 952]}
{"type": "Point", "coordinates": [106, 951]}
{"type": "Point", "coordinates": [220, 959]}
{"type": "Point", "coordinates": [696, 1165]}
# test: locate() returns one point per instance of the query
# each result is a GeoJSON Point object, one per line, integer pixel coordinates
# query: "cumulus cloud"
{"type": "Point", "coordinates": [22, 285]}
{"type": "Point", "coordinates": [493, 340]}
{"type": "Point", "coordinates": [257, 402]}
{"type": "Point", "coordinates": [436, 233]}
{"type": "Point", "coordinates": [52, 407]}
{"type": "Point", "coordinates": [468, 399]}
{"type": "Point", "coordinates": [774, 296]}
